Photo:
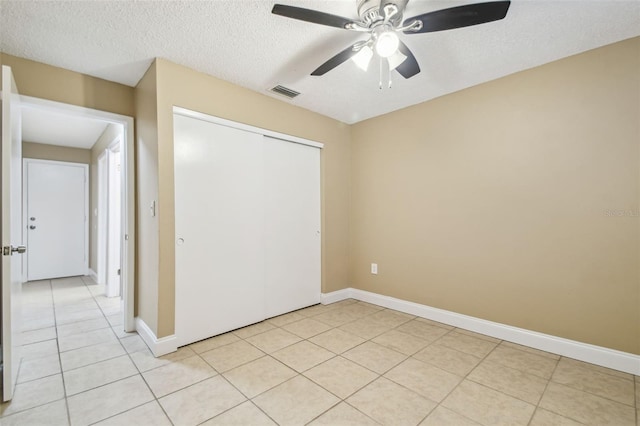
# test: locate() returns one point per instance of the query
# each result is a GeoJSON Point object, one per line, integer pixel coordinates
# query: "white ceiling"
{"type": "Point", "coordinates": [242, 42]}
{"type": "Point", "coordinates": [51, 128]}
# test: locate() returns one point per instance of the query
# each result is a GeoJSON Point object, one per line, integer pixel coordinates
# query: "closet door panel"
{"type": "Point", "coordinates": [292, 225]}
{"type": "Point", "coordinates": [219, 207]}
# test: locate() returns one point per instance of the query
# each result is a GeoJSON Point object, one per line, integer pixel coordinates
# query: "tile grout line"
{"type": "Point", "coordinates": [382, 375]}
{"type": "Point", "coordinates": [589, 392]}
{"type": "Point", "coordinates": [301, 374]}
{"type": "Point", "coordinates": [545, 391]}
{"type": "Point", "coordinates": [465, 377]}
{"type": "Point", "coordinates": [101, 312]}
{"type": "Point", "coordinates": [340, 399]}
{"type": "Point", "coordinates": [297, 373]}
{"type": "Point", "coordinates": [247, 399]}
{"type": "Point", "coordinates": [64, 392]}
{"type": "Point", "coordinates": [155, 398]}
{"type": "Point", "coordinates": [333, 327]}
{"type": "Point", "coordinates": [336, 355]}
{"type": "Point", "coordinates": [636, 391]}
{"type": "Point", "coordinates": [55, 324]}
{"type": "Point", "coordinates": [531, 353]}
{"type": "Point", "coordinates": [498, 343]}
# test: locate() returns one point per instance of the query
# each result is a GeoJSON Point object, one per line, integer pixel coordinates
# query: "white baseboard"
{"type": "Point", "coordinates": [93, 275]}
{"type": "Point", "coordinates": [335, 296]}
{"type": "Point", "coordinates": [159, 347]}
{"type": "Point", "coordinates": [605, 357]}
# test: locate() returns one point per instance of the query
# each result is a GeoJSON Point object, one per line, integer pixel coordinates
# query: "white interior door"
{"type": "Point", "coordinates": [292, 219]}
{"type": "Point", "coordinates": [11, 232]}
{"type": "Point", "coordinates": [56, 215]}
{"type": "Point", "coordinates": [219, 228]}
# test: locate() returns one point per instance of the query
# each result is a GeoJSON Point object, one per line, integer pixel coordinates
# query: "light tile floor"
{"type": "Point", "coordinates": [349, 363]}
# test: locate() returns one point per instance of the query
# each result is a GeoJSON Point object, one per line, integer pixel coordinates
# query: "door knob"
{"type": "Point", "coordinates": [9, 250]}
{"type": "Point", "coordinates": [32, 227]}
{"type": "Point", "coordinates": [32, 218]}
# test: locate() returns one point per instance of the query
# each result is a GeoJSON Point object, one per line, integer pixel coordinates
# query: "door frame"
{"type": "Point", "coordinates": [127, 180]}
{"type": "Point", "coordinates": [25, 219]}
{"type": "Point", "coordinates": [101, 243]}
{"type": "Point", "coordinates": [105, 238]}
{"type": "Point", "coordinates": [112, 257]}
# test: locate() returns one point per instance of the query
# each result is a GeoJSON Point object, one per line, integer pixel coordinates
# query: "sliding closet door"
{"type": "Point", "coordinates": [292, 225]}
{"type": "Point", "coordinates": [219, 208]}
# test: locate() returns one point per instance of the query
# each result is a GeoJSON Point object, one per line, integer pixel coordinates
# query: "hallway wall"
{"type": "Point", "coordinates": [55, 153]}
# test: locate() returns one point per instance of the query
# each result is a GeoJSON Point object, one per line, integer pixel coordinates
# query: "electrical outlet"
{"type": "Point", "coordinates": [374, 268]}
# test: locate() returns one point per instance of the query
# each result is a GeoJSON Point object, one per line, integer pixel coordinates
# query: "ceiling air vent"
{"type": "Point", "coordinates": [285, 91]}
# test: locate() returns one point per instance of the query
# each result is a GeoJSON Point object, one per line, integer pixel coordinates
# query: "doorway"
{"type": "Point", "coordinates": [115, 231]}
{"type": "Point", "coordinates": [109, 218]}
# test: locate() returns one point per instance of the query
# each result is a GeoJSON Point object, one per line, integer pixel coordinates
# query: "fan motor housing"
{"type": "Point", "coordinates": [369, 10]}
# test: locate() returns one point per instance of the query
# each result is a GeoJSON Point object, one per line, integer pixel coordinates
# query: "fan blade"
{"type": "Point", "coordinates": [341, 57]}
{"type": "Point", "coordinates": [309, 15]}
{"type": "Point", "coordinates": [461, 16]}
{"type": "Point", "coordinates": [409, 67]}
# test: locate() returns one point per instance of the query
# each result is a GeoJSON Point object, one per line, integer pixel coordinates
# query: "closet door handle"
{"type": "Point", "coordinates": [32, 227]}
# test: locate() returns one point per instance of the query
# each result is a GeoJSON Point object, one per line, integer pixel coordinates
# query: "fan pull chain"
{"type": "Point", "coordinates": [380, 78]}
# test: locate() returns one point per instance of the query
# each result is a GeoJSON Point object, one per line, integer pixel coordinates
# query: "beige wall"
{"type": "Point", "coordinates": [184, 87]}
{"type": "Point", "coordinates": [111, 132]}
{"type": "Point", "coordinates": [55, 153]}
{"type": "Point", "coordinates": [489, 202]}
{"type": "Point", "coordinates": [492, 201]}
{"type": "Point", "coordinates": [57, 84]}
{"type": "Point", "coordinates": [147, 192]}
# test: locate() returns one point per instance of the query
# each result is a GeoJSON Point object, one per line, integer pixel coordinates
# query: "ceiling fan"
{"type": "Point", "coordinates": [382, 20]}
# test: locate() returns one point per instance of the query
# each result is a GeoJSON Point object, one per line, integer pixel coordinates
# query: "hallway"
{"type": "Point", "coordinates": [73, 345]}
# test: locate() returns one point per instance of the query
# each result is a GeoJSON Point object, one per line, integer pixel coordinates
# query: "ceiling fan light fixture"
{"type": "Point", "coordinates": [387, 44]}
{"type": "Point", "coordinates": [395, 60]}
{"type": "Point", "coordinates": [383, 20]}
{"type": "Point", "coordinates": [363, 58]}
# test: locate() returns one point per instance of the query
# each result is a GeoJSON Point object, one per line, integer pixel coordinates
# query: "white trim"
{"type": "Point", "coordinates": [116, 144]}
{"type": "Point", "coordinates": [605, 357]}
{"type": "Point", "coordinates": [72, 110]}
{"type": "Point", "coordinates": [25, 221]}
{"type": "Point", "coordinates": [101, 218]}
{"type": "Point", "coordinates": [335, 296]}
{"type": "Point", "coordinates": [115, 216]}
{"type": "Point", "coordinates": [159, 347]}
{"type": "Point", "coordinates": [246, 127]}
{"type": "Point", "coordinates": [25, 213]}
{"type": "Point", "coordinates": [127, 182]}
{"type": "Point", "coordinates": [93, 275]}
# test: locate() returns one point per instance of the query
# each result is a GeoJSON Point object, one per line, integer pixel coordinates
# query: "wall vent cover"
{"type": "Point", "coordinates": [285, 91]}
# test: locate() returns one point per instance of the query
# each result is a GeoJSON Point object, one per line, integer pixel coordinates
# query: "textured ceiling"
{"type": "Point", "coordinates": [242, 42]}
{"type": "Point", "coordinates": [44, 126]}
